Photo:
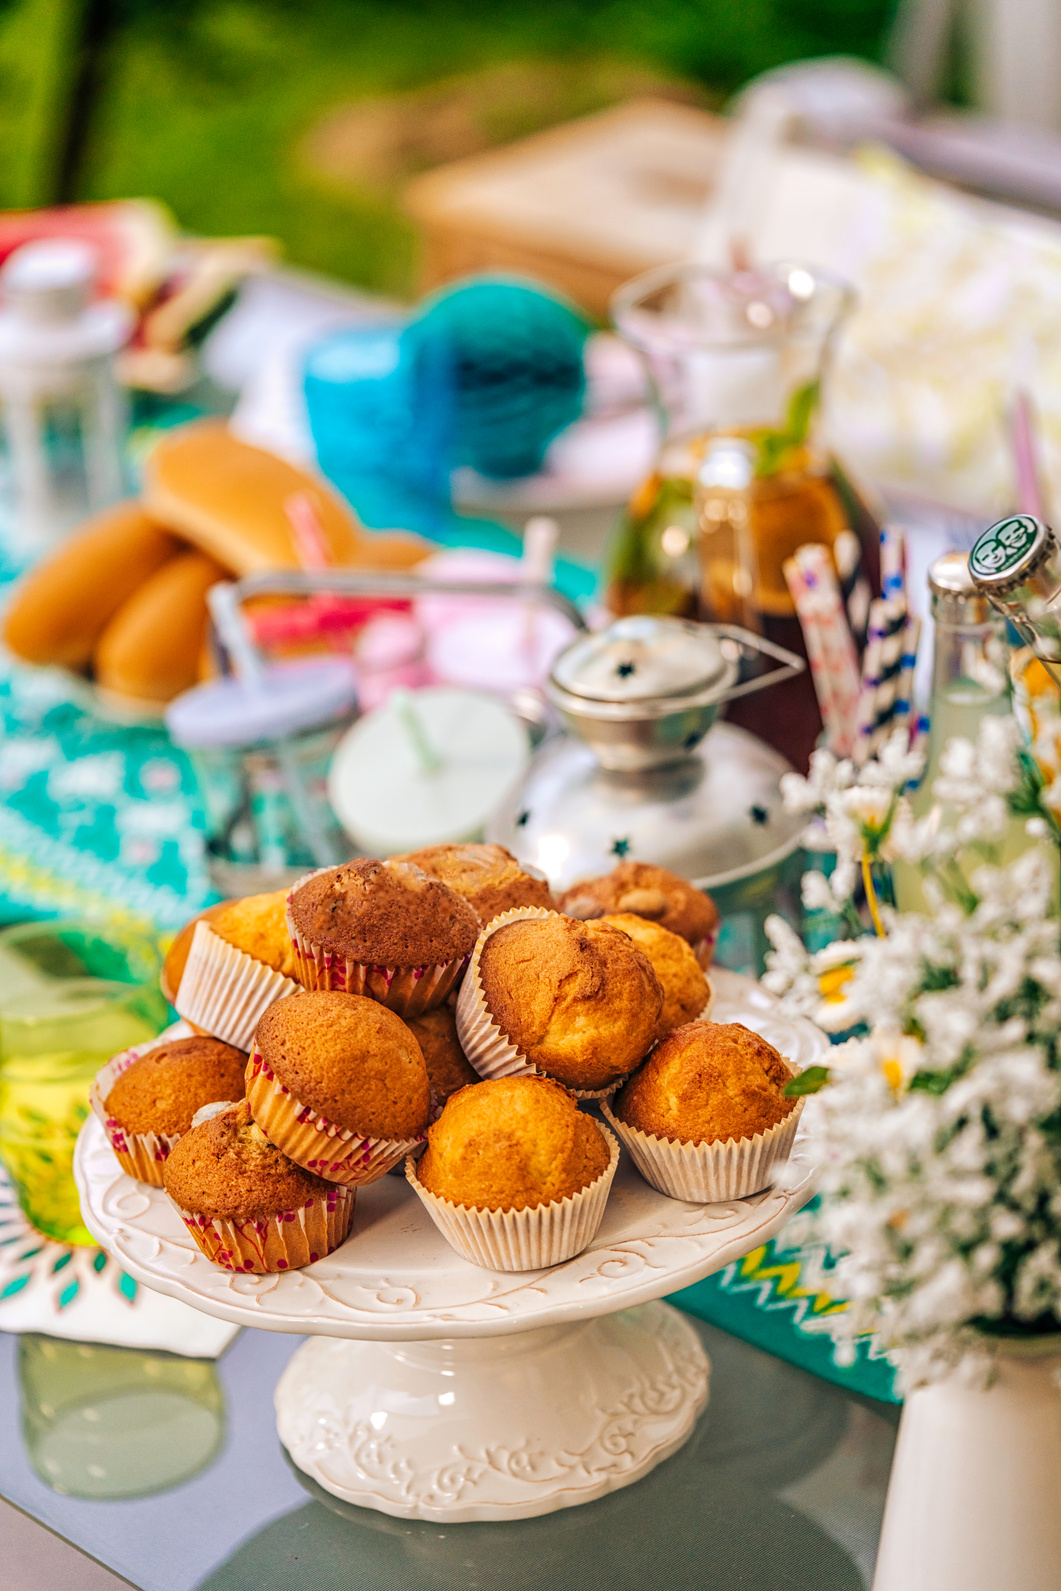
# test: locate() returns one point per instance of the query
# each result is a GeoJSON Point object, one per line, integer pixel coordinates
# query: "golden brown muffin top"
{"type": "Point", "coordinates": [579, 999]}
{"type": "Point", "coordinates": [257, 924]}
{"type": "Point", "coordinates": [350, 1059]}
{"type": "Point", "coordinates": [685, 989]}
{"type": "Point", "coordinates": [227, 1167]}
{"type": "Point", "coordinates": [177, 954]}
{"type": "Point", "coordinates": [646, 891]}
{"type": "Point", "coordinates": [707, 1082]}
{"type": "Point", "coordinates": [490, 878]}
{"type": "Point", "coordinates": [511, 1144]}
{"type": "Point", "coordinates": [448, 1068]}
{"type": "Point", "coordinates": [162, 1090]}
{"type": "Point", "coordinates": [387, 914]}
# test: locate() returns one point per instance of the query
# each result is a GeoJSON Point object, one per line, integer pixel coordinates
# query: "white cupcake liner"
{"type": "Point", "coordinates": [707, 1172]}
{"type": "Point", "coordinates": [487, 1048]}
{"type": "Point", "coordinates": [407, 991]}
{"type": "Point", "coordinates": [522, 1240]}
{"type": "Point", "coordinates": [281, 1242]}
{"type": "Point", "coordinates": [225, 991]}
{"type": "Point", "coordinates": [141, 1154]}
{"type": "Point", "coordinates": [311, 1140]}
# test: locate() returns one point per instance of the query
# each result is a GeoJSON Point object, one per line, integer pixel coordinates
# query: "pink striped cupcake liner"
{"type": "Point", "coordinates": [141, 1154]}
{"type": "Point", "coordinates": [282, 1242]}
{"type": "Point", "coordinates": [311, 1140]}
{"type": "Point", "coordinates": [408, 991]}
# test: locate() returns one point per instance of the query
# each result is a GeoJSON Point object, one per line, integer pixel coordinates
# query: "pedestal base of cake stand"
{"type": "Point", "coordinates": [494, 1427]}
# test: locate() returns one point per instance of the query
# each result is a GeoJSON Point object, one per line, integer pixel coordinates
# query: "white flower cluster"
{"type": "Point", "coordinates": [857, 810]}
{"type": "Point", "coordinates": [939, 1133]}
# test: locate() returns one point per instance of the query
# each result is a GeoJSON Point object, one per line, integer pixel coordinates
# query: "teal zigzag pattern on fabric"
{"type": "Point", "coordinates": [763, 1300]}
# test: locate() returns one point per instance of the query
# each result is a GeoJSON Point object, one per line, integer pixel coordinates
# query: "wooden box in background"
{"type": "Point", "coordinates": [583, 207]}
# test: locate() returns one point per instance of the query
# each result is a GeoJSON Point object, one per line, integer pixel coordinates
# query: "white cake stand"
{"type": "Point", "coordinates": [432, 1389]}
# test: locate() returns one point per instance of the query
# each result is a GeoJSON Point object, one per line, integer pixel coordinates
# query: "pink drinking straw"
{"type": "Point", "coordinates": [1023, 442]}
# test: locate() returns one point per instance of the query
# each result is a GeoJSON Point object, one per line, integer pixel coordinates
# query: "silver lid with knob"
{"type": "Point", "coordinates": [644, 691]}
{"type": "Point", "coordinates": [639, 775]}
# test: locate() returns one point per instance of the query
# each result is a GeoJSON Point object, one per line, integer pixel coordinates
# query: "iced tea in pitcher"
{"type": "Point", "coordinates": [736, 361]}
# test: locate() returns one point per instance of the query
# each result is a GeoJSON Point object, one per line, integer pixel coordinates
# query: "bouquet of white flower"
{"type": "Point", "coordinates": [939, 1130]}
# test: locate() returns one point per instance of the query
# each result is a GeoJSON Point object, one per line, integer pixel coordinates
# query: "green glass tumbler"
{"type": "Point", "coordinates": [113, 1423]}
{"type": "Point", "coordinates": [58, 1026]}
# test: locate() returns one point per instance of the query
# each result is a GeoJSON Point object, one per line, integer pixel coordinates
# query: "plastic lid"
{"type": "Point", "coordinates": [427, 768]}
{"type": "Point", "coordinates": [1009, 551]}
{"type": "Point", "coordinates": [642, 658]}
{"type": "Point", "coordinates": [49, 280]}
{"type": "Point", "coordinates": [292, 697]}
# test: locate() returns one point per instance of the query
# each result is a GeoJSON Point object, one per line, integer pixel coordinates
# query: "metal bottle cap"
{"type": "Point", "coordinates": [956, 600]}
{"type": "Point", "coordinates": [1010, 552]}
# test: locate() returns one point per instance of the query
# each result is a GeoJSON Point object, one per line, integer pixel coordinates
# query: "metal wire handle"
{"type": "Point", "coordinates": [227, 598]}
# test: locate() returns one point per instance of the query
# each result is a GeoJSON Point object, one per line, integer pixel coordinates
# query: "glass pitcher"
{"type": "Point", "coordinates": [736, 361]}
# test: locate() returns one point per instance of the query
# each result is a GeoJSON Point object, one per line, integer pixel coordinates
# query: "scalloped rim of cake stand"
{"type": "Point", "coordinates": [397, 1280]}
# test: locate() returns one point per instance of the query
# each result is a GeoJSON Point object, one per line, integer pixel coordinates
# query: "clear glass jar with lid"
{"type": "Point", "coordinates": [63, 413]}
{"type": "Point", "coordinates": [262, 750]}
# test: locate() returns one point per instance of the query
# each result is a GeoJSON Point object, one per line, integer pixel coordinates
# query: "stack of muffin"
{"type": "Point", "coordinates": [443, 1002]}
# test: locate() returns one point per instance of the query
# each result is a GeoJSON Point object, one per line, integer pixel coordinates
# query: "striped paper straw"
{"type": "Point", "coordinates": [871, 667]}
{"type": "Point", "coordinates": [904, 689]}
{"type": "Point", "coordinates": [893, 563]}
{"type": "Point", "coordinates": [815, 591]}
{"type": "Point", "coordinates": [817, 569]}
{"type": "Point", "coordinates": [889, 671]}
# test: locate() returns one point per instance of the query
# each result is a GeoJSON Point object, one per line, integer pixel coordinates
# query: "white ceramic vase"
{"type": "Point", "coordinates": [974, 1500]}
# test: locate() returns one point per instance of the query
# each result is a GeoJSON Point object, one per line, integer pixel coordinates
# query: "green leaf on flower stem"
{"type": "Point", "coordinates": [935, 1082]}
{"type": "Point", "coordinates": [808, 1082]}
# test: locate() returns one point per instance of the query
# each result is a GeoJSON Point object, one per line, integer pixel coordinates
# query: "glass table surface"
{"type": "Point", "coordinates": [169, 1471]}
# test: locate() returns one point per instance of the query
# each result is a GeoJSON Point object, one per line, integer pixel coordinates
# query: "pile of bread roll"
{"type": "Point", "coordinates": [123, 602]}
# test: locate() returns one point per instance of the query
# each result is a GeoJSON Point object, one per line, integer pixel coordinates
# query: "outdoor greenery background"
{"type": "Point", "coordinates": [207, 103]}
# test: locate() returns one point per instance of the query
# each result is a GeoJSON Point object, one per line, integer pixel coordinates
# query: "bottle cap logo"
{"type": "Point", "coordinates": [1004, 546]}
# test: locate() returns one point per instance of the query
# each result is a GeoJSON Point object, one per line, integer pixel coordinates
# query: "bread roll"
{"type": "Point", "coordinates": [150, 649]}
{"type": "Point", "coordinates": [230, 499]}
{"type": "Point", "coordinates": [60, 610]}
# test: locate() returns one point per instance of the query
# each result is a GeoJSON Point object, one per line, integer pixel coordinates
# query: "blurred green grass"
{"type": "Point", "coordinates": [208, 102]}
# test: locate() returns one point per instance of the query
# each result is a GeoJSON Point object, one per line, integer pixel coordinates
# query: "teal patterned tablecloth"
{"type": "Point", "coordinates": [96, 819]}
{"type": "Point", "coordinates": [104, 821]}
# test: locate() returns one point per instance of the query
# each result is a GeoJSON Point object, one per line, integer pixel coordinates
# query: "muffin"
{"type": "Point", "coordinates": [147, 1096]}
{"type": "Point", "coordinates": [650, 892]}
{"type": "Point", "coordinates": [490, 878]}
{"type": "Point", "coordinates": [382, 929]}
{"type": "Point", "coordinates": [686, 992]}
{"type": "Point", "coordinates": [237, 959]}
{"type": "Point", "coordinates": [448, 1067]}
{"type": "Point", "coordinates": [705, 1117]}
{"type": "Point", "coordinates": [575, 1001]}
{"type": "Point", "coordinates": [339, 1084]}
{"type": "Point", "coordinates": [514, 1175]}
{"type": "Point", "coordinates": [248, 1207]}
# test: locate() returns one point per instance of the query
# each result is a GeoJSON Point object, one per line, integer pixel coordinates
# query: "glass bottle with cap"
{"type": "Point", "coordinates": [970, 681]}
{"type": "Point", "coordinates": [63, 412]}
{"type": "Point", "coordinates": [1016, 565]}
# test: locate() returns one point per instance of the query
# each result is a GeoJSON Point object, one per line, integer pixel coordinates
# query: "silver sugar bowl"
{"type": "Point", "coordinates": [646, 770]}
